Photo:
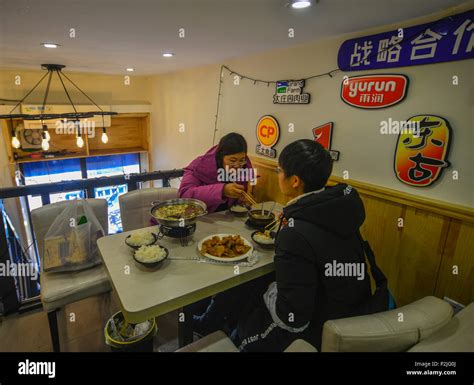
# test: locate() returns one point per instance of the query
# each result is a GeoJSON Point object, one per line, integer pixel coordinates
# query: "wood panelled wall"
{"type": "Point", "coordinates": [431, 254]}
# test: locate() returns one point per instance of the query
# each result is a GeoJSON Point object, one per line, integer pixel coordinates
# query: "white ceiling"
{"type": "Point", "coordinates": [114, 34]}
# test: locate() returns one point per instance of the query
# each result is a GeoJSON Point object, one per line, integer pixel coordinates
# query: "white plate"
{"type": "Point", "coordinates": [239, 258]}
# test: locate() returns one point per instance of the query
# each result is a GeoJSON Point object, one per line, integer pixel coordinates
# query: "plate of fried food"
{"type": "Point", "coordinates": [225, 247]}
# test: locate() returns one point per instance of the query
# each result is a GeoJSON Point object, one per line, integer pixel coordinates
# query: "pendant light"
{"type": "Point", "coordinates": [105, 138]}
{"type": "Point", "coordinates": [79, 140]}
{"type": "Point", "coordinates": [74, 114]}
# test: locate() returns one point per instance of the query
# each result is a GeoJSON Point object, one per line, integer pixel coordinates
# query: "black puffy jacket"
{"type": "Point", "coordinates": [322, 231]}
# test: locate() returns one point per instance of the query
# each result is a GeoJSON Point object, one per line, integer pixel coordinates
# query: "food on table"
{"type": "Point", "coordinates": [178, 211]}
{"type": "Point", "coordinates": [140, 238]}
{"type": "Point", "coordinates": [226, 247]}
{"type": "Point", "coordinates": [264, 237]}
{"type": "Point", "coordinates": [260, 216]}
{"type": "Point", "coordinates": [150, 254]}
{"type": "Point", "coordinates": [238, 209]}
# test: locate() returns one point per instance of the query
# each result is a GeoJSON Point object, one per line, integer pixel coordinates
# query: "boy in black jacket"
{"type": "Point", "coordinates": [320, 270]}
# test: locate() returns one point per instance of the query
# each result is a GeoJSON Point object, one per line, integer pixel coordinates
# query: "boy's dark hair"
{"type": "Point", "coordinates": [308, 160]}
{"type": "Point", "coordinates": [229, 144]}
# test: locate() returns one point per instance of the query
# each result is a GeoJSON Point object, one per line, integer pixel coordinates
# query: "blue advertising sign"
{"type": "Point", "coordinates": [447, 39]}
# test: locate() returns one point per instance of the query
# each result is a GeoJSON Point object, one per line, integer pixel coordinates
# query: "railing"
{"type": "Point", "coordinates": [88, 185]}
{"type": "Point", "coordinates": [133, 182]}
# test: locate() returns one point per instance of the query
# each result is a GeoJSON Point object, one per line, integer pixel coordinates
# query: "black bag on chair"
{"type": "Point", "coordinates": [381, 299]}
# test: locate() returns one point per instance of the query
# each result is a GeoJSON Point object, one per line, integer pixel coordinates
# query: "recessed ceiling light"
{"type": "Point", "coordinates": [299, 4]}
{"type": "Point", "coordinates": [129, 69]}
{"type": "Point", "coordinates": [168, 54]}
{"type": "Point", "coordinates": [50, 45]}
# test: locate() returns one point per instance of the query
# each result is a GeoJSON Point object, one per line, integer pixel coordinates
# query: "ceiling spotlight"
{"type": "Point", "coordinates": [50, 45]}
{"type": "Point", "coordinates": [168, 54]}
{"type": "Point", "coordinates": [300, 4]}
{"type": "Point", "coordinates": [129, 69]}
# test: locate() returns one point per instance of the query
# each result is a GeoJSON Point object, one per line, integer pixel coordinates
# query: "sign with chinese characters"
{"type": "Point", "coordinates": [447, 39]}
{"type": "Point", "coordinates": [290, 92]}
{"type": "Point", "coordinates": [374, 91]}
{"type": "Point", "coordinates": [323, 135]}
{"type": "Point", "coordinates": [422, 154]}
{"type": "Point", "coordinates": [268, 133]}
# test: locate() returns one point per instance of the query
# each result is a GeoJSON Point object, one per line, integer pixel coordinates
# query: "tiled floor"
{"type": "Point", "coordinates": [81, 328]}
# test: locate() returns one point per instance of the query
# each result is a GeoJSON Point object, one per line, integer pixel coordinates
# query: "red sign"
{"type": "Point", "coordinates": [374, 91]}
{"type": "Point", "coordinates": [323, 135]}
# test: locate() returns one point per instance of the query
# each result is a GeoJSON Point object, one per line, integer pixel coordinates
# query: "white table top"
{"type": "Point", "coordinates": [145, 293]}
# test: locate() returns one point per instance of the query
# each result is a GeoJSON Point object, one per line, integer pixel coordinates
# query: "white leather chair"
{"type": "Point", "coordinates": [395, 330]}
{"type": "Point", "coordinates": [219, 342]}
{"type": "Point", "coordinates": [60, 289]}
{"type": "Point", "coordinates": [456, 336]}
{"type": "Point", "coordinates": [214, 342]}
{"type": "Point", "coordinates": [135, 205]}
{"type": "Point", "coordinates": [427, 325]}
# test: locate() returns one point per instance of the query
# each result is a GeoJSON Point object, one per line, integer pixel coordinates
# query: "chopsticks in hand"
{"type": "Point", "coordinates": [249, 197]}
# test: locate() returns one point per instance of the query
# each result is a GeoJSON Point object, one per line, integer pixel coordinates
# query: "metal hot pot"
{"type": "Point", "coordinates": [177, 222]}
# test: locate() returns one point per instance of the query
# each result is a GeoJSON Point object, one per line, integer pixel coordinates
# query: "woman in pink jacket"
{"type": "Point", "coordinates": [213, 177]}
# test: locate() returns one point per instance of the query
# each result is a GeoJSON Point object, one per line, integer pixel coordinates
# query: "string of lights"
{"type": "Point", "coordinates": [331, 73]}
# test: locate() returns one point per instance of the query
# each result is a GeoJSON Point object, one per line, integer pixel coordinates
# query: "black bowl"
{"type": "Point", "coordinates": [152, 264]}
{"type": "Point", "coordinates": [262, 245]}
{"type": "Point", "coordinates": [261, 221]}
{"type": "Point", "coordinates": [155, 238]}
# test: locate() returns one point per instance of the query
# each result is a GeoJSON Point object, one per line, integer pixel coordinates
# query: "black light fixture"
{"type": "Point", "coordinates": [45, 139]}
{"type": "Point", "coordinates": [75, 115]}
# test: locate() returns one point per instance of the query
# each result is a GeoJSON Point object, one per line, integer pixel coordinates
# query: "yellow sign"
{"type": "Point", "coordinates": [422, 150]}
{"type": "Point", "coordinates": [268, 133]}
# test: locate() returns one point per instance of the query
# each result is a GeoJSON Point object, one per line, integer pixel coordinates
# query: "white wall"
{"type": "Point", "coordinates": [190, 97]}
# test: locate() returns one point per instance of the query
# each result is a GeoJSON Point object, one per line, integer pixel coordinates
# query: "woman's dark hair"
{"type": "Point", "coordinates": [229, 144]}
{"type": "Point", "coordinates": [308, 160]}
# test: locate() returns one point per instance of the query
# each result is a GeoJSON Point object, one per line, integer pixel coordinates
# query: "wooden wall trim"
{"type": "Point", "coordinates": [450, 210]}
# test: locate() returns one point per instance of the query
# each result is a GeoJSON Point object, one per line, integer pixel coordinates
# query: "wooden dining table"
{"type": "Point", "coordinates": [181, 280]}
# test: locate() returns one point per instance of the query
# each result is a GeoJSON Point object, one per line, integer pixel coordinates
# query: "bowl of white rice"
{"type": "Point", "coordinates": [150, 256]}
{"type": "Point", "coordinates": [238, 210]}
{"type": "Point", "coordinates": [263, 239]}
{"type": "Point", "coordinates": [140, 238]}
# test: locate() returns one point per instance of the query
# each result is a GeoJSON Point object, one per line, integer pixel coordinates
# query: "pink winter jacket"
{"type": "Point", "coordinates": [200, 181]}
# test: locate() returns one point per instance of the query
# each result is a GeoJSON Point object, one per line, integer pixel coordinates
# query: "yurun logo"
{"type": "Point", "coordinates": [374, 91]}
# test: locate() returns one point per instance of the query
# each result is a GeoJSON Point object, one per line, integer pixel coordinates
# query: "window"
{"type": "Point", "coordinates": [98, 166]}
{"type": "Point", "coordinates": [94, 167]}
{"type": "Point", "coordinates": [49, 172]}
